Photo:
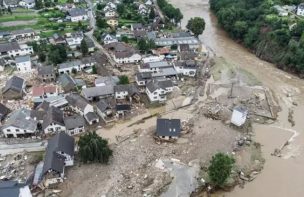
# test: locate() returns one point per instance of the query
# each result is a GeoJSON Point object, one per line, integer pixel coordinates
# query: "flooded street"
{"type": "Point", "coordinates": [281, 176]}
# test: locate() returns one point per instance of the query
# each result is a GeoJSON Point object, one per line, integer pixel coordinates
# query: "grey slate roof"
{"type": "Point", "coordinates": [67, 82]}
{"type": "Point", "coordinates": [21, 118]}
{"type": "Point", "coordinates": [21, 59]}
{"type": "Point", "coordinates": [77, 101]}
{"type": "Point", "coordinates": [105, 104]}
{"type": "Point", "coordinates": [160, 64]}
{"type": "Point", "coordinates": [60, 142]}
{"type": "Point", "coordinates": [75, 121]}
{"type": "Point", "coordinates": [69, 64]}
{"type": "Point", "coordinates": [9, 46]}
{"type": "Point", "coordinates": [45, 70]}
{"type": "Point", "coordinates": [77, 12]}
{"type": "Point", "coordinates": [91, 116]}
{"type": "Point", "coordinates": [143, 76]}
{"type": "Point", "coordinates": [123, 107]}
{"type": "Point", "coordinates": [130, 88]}
{"type": "Point", "coordinates": [4, 111]}
{"type": "Point", "coordinates": [108, 80]}
{"type": "Point", "coordinates": [156, 84]}
{"type": "Point", "coordinates": [53, 115]}
{"type": "Point", "coordinates": [165, 72]}
{"type": "Point", "coordinates": [179, 40]}
{"type": "Point", "coordinates": [14, 83]}
{"type": "Point", "coordinates": [10, 188]}
{"type": "Point", "coordinates": [168, 127]}
{"type": "Point", "coordinates": [98, 91]}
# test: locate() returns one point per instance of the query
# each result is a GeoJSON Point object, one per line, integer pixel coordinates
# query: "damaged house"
{"type": "Point", "coordinates": [20, 124]}
{"type": "Point", "coordinates": [157, 90]}
{"type": "Point", "coordinates": [14, 88]}
{"type": "Point", "coordinates": [59, 154]}
{"type": "Point", "coordinates": [53, 121]}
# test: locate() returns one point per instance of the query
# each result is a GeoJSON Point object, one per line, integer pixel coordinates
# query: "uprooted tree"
{"type": "Point", "coordinates": [93, 148]}
{"type": "Point", "coordinates": [220, 169]}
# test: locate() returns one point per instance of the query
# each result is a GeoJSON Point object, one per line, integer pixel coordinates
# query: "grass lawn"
{"type": "Point", "coordinates": [126, 21]}
{"type": "Point", "coordinates": [21, 16]}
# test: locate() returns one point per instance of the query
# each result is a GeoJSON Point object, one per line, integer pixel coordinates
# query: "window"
{"type": "Point", "coordinates": [17, 130]}
{"type": "Point", "coordinates": [8, 130]}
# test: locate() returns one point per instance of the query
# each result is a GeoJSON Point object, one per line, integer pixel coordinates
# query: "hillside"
{"type": "Point", "coordinates": [259, 26]}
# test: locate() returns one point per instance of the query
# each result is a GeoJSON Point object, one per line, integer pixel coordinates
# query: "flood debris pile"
{"type": "Point", "coordinates": [223, 98]}
{"type": "Point", "coordinates": [16, 166]}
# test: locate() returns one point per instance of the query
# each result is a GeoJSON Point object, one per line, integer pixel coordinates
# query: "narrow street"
{"type": "Point", "coordinates": [91, 32]}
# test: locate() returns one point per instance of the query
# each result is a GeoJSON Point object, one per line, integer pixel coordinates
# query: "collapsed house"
{"type": "Point", "coordinates": [59, 154]}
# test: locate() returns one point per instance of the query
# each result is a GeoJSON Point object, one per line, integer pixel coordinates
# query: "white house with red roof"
{"type": "Point", "coordinates": [43, 92]}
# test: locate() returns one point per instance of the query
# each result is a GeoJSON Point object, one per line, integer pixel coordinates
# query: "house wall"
{"type": "Point", "coordinates": [69, 160]}
{"type": "Point", "coordinates": [54, 128]}
{"type": "Point", "coordinates": [11, 95]}
{"type": "Point", "coordinates": [79, 18]}
{"type": "Point", "coordinates": [27, 5]}
{"type": "Point", "coordinates": [25, 37]}
{"type": "Point", "coordinates": [121, 95]}
{"type": "Point", "coordinates": [185, 71]}
{"type": "Point", "coordinates": [74, 42]}
{"type": "Point", "coordinates": [110, 14]}
{"type": "Point", "coordinates": [75, 131]}
{"type": "Point", "coordinates": [300, 12]}
{"type": "Point", "coordinates": [47, 78]}
{"type": "Point", "coordinates": [24, 66]}
{"type": "Point", "coordinates": [15, 131]}
{"type": "Point", "coordinates": [133, 59]}
{"type": "Point", "coordinates": [21, 52]}
{"type": "Point", "coordinates": [112, 22]}
{"type": "Point", "coordinates": [158, 95]}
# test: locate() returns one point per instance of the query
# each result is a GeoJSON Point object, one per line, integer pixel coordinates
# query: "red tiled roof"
{"type": "Point", "coordinates": [40, 90]}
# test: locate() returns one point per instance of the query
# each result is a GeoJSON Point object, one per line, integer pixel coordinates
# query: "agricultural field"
{"type": "Point", "coordinates": [46, 20]}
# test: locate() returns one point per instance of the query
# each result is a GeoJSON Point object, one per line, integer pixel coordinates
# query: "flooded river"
{"type": "Point", "coordinates": [281, 177]}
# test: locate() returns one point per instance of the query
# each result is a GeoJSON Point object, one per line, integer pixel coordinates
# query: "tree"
{"type": "Point", "coordinates": [93, 148]}
{"type": "Point", "coordinates": [41, 57]}
{"type": "Point", "coordinates": [94, 69]}
{"type": "Point", "coordinates": [152, 13]}
{"type": "Point", "coordinates": [123, 80]}
{"type": "Point", "coordinates": [74, 71]}
{"type": "Point", "coordinates": [38, 4]}
{"type": "Point", "coordinates": [125, 39]}
{"type": "Point", "coordinates": [220, 168]}
{"type": "Point", "coordinates": [84, 47]}
{"type": "Point", "coordinates": [57, 54]}
{"type": "Point", "coordinates": [101, 23]}
{"type": "Point", "coordinates": [196, 25]}
{"type": "Point", "coordinates": [9, 10]}
{"type": "Point", "coordinates": [142, 45]}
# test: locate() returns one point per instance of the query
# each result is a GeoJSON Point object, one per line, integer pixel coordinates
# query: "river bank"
{"type": "Point", "coordinates": [281, 176]}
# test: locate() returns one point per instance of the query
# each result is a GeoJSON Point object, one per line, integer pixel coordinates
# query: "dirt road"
{"type": "Point", "coordinates": [281, 176]}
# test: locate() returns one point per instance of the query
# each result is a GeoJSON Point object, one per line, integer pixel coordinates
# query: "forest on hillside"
{"type": "Point", "coordinates": [258, 26]}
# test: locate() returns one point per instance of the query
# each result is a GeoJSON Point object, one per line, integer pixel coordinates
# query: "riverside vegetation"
{"type": "Point", "coordinates": [257, 25]}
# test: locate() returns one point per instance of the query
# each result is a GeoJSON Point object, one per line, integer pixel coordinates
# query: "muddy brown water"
{"type": "Point", "coordinates": [283, 176]}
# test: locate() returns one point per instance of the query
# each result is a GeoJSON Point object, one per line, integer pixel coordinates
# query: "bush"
{"type": "Point", "coordinates": [220, 169]}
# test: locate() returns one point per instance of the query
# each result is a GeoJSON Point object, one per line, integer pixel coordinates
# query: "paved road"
{"type": "Point", "coordinates": [90, 33]}
{"type": "Point", "coordinates": [16, 148]}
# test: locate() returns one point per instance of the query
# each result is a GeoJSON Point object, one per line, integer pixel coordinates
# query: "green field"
{"type": "Point", "coordinates": [21, 15]}
{"type": "Point", "coordinates": [42, 21]}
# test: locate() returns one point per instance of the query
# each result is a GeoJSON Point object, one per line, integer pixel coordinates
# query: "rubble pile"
{"type": "Point", "coordinates": [14, 167]}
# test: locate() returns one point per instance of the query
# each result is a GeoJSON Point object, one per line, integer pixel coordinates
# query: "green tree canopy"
{"type": "Point", "coordinates": [57, 54]}
{"type": "Point", "coordinates": [123, 80]}
{"type": "Point", "coordinates": [196, 25]}
{"type": "Point", "coordinates": [84, 47]}
{"type": "Point", "coordinates": [93, 148]}
{"type": "Point", "coordinates": [220, 168]}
